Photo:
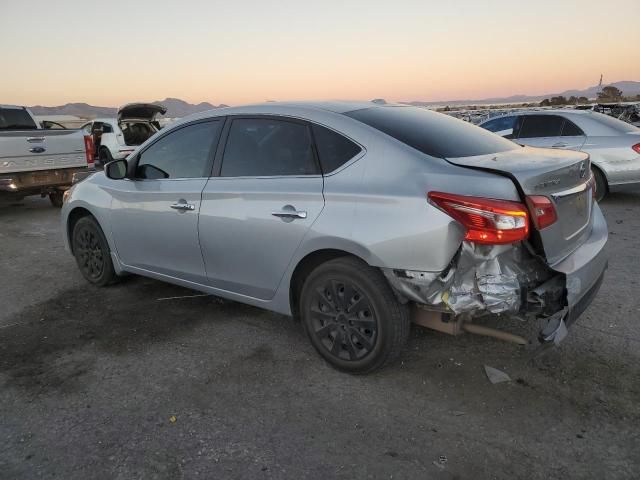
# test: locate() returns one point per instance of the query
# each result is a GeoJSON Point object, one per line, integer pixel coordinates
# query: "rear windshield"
{"type": "Point", "coordinates": [16, 119]}
{"type": "Point", "coordinates": [433, 133]}
{"type": "Point", "coordinates": [614, 124]}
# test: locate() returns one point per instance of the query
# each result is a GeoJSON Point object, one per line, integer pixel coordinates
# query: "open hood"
{"type": "Point", "coordinates": [140, 111]}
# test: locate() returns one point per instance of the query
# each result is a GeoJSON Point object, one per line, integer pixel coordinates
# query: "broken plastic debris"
{"type": "Point", "coordinates": [441, 462]}
{"type": "Point", "coordinates": [173, 419]}
{"type": "Point", "coordinates": [496, 376]}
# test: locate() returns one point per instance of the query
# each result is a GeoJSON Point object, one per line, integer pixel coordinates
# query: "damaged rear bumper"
{"type": "Point", "coordinates": [509, 280]}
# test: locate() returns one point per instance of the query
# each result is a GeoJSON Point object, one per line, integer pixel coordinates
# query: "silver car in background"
{"type": "Point", "coordinates": [353, 217]}
{"type": "Point", "coordinates": [613, 145]}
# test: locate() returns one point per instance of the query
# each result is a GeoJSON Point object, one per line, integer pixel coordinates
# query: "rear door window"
{"type": "Point", "coordinates": [259, 147]}
{"type": "Point", "coordinates": [432, 133]}
{"type": "Point", "coordinates": [16, 119]}
{"type": "Point", "coordinates": [334, 149]}
{"type": "Point", "coordinates": [537, 126]}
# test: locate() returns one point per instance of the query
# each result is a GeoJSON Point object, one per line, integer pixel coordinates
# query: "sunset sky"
{"type": "Point", "coordinates": [112, 52]}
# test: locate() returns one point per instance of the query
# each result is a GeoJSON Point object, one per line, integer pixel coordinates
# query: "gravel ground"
{"type": "Point", "coordinates": [127, 382]}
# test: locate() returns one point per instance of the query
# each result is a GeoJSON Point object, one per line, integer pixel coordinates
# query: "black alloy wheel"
{"type": "Point", "coordinates": [352, 316]}
{"type": "Point", "coordinates": [92, 252]}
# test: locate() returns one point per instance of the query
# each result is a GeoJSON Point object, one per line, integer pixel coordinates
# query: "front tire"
{"type": "Point", "coordinates": [92, 252]}
{"type": "Point", "coordinates": [602, 188]}
{"type": "Point", "coordinates": [352, 317]}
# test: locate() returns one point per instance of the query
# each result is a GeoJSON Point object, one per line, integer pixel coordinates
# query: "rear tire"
{"type": "Point", "coordinates": [92, 252]}
{"type": "Point", "coordinates": [602, 188]}
{"type": "Point", "coordinates": [352, 316]}
{"type": "Point", "coordinates": [56, 198]}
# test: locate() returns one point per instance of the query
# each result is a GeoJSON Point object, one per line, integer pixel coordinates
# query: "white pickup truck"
{"type": "Point", "coordinates": [35, 161]}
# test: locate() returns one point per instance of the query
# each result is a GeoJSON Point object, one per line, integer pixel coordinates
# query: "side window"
{"type": "Point", "coordinates": [334, 149]}
{"type": "Point", "coordinates": [570, 129]}
{"type": "Point", "coordinates": [106, 128]}
{"type": "Point", "coordinates": [268, 147]}
{"type": "Point", "coordinates": [87, 129]}
{"type": "Point", "coordinates": [182, 153]}
{"type": "Point", "coordinates": [501, 126]}
{"type": "Point", "coordinates": [535, 126]}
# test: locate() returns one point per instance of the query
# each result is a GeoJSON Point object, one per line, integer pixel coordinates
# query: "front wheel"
{"type": "Point", "coordinates": [352, 317]}
{"type": "Point", "coordinates": [601, 184]}
{"type": "Point", "coordinates": [92, 252]}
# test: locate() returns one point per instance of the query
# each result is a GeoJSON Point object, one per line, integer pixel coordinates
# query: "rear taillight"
{"type": "Point", "coordinates": [88, 149]}
{"type": "Point", "coordinates": [636, 148]}
{"type": "Point", "coordinates": [485, 220]}
{"type": "Point", "coordinates": [543, 213]}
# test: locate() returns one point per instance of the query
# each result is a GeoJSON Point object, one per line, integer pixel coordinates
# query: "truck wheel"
{"type": "Point", "coordinates": [104, 156]}
{"type": "Point", "coordinates": [601, 184]}
{"type": "Point", "coordinates": [352, 317]}
{"type": "Point", "coordinates": [92, 252]}
{"type": "Point", "coordinates": [56, 198]}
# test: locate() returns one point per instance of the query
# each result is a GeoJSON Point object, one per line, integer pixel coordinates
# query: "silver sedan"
{"type": "Point", "coordinates": [354, 218]}
{"type": "Point", "coordinates": [613, 145]}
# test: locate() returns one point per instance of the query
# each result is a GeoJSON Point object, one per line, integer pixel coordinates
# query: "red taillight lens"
{"type": "Point", "coordinates": [88, 149]}
{"type": "Point", "coordinates": [636, 148]}
{"type": "Point", "coordinates": [486, 220]}
{"type": "Point", "coordinates": [543, 213]}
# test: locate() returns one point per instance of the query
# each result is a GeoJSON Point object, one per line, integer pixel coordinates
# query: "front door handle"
{"type": "Point", "coordinates": [289, 212]}
{"type": "Point", "coordinates": [560, 145]}
{"type": "Point", "coordinates": [183, 206]}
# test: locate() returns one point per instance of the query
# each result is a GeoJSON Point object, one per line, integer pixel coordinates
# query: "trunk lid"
{"type": "Point", "coordinates": [141, 111]}
{"type": "Point", "coordinates": [560, 175]}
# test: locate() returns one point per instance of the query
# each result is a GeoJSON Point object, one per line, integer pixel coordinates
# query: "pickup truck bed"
{"type": "Point", "coordinates": [36, 161]}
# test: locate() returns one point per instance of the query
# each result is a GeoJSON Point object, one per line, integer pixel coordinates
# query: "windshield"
{"type": "Point", "coordinates": [16, 119]}
{"type": "Point", "coordinates": [432, 133]}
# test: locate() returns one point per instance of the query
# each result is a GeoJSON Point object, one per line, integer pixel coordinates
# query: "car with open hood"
{"type": "Point", "coordinates": [355, 218]}
{"type": "Point", "coordinates": [115, 138]}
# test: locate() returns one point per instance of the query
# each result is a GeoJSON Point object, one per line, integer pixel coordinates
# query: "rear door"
{"type": "Point", "coordinates": [540, 130]}
{"type": "Point", "coordinates": [266, 194]}
{"type": "Point", "coordinates": [155, 214]}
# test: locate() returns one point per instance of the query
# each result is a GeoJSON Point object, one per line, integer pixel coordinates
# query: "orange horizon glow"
{"type": "Point", "coordinates": [244, 52]}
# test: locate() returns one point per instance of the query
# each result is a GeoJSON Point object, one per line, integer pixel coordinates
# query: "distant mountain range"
{"type": "Point", "coordinates": [629, 88]}
{"type": "Point", "coordinates": [175, 108]}
{"type": "Point", "coordinates": [180, 108]}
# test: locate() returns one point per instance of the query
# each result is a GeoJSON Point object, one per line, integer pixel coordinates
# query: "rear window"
{"type": "Point", "coordinates": [432, 133]}
{"type": "Point", "coordinates": [614, 124]}
{"type": "Point", "coordinates": [16, 119]}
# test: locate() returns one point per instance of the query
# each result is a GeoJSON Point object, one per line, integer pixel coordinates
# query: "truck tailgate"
{"type": "Point", "coordinates": [26, 151]}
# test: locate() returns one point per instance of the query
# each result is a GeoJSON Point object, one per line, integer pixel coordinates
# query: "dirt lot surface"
{"type": "Point", "coordinates": [127, 382]}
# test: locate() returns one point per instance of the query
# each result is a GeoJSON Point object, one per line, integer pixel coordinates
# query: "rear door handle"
{"type": "Point", "coordinates": [560, 145]}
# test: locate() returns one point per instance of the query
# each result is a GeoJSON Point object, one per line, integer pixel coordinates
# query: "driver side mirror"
{"type": "Point", "coordinates": [116, 170]}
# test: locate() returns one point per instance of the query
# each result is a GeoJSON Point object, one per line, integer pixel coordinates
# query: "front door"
{"type": "Point", "coordinates": [257, 211]}
{"type": "Point", "coordinates": [155, 214]}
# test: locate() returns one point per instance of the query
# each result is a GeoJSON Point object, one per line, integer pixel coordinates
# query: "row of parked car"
{"type": "Point", "coordinates": [356, 218]}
